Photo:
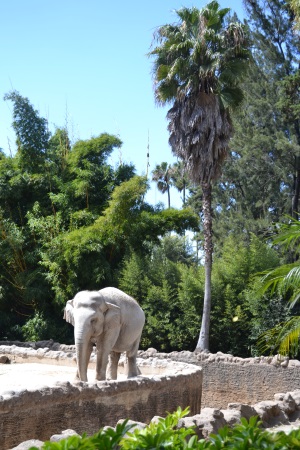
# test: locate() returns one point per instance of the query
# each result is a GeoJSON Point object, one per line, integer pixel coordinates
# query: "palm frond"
{"type": "Point", "coordinates": [283, 338]}
{"type": "Point", "coordinates": [288, 234]}
{"type": "Point", "coordinates": [231, 97]}
{"type": "Point", "coordinates": [280, 279]}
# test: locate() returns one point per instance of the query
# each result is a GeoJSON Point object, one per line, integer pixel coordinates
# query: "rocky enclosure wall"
{"type": "Point", "coordinates": [86, 407]}
{"type": "Point", "coordinates": [230, 385]}
{"type": "Point", "coordinates": [228, 379]}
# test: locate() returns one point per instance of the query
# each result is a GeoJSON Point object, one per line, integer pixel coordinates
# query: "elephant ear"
{"type": "Point", "coordinates": [68, 312]}
{"type": "Point", "coordinates": [112, 315]}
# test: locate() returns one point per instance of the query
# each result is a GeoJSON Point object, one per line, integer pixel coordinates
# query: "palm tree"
{"type": "Point", "coordinates": [198, 64]}
{"type": "Point", "coordinates": [179, 179]}
{"type": "Point", "coordinates": [162, 174]}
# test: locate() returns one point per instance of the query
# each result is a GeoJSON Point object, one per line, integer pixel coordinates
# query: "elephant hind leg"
{"type": "Point", "coordinates": [112, 373]}
{"type": "Point", "coordinates": [133, 370]}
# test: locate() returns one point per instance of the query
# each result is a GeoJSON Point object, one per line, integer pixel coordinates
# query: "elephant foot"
{"type": "Point", "coordinates": [112, 376]}
{"type": "Point", "coordinates": [100, 377]}
{"type": "Point", "coordinates": [132, 375]}
{"type": "Point", "coordinates": [133, 370]}
{"type": "Point", "coordinates": [77, 378]}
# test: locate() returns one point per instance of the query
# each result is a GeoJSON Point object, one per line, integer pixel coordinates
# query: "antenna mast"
{"type": "Point", "coordinates": [148, 163]}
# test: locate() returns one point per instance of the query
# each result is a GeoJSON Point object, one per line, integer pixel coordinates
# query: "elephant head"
{"type": "Point", "coordinates": [90, 315]}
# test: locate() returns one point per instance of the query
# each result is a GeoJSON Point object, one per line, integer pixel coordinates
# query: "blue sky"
{"type": "Point", "coordinates": [83, 63]}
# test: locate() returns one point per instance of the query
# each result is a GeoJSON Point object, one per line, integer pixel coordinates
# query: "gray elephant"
{"type": "Point", "coordinates": [113, 321]}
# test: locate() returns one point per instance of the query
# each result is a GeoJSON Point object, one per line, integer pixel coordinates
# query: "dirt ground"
{"type": "Point", "coordinates": [15, 377]}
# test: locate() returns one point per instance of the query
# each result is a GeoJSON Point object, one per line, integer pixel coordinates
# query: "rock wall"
{"type": "Point", "coordinates": [282, 414]}
{"type": "Point", "coordinates": [228, 379]}
{"type": "Point", "coordinates": [230, 385]}
{"type": "Point", "coordinates": [86, 407]}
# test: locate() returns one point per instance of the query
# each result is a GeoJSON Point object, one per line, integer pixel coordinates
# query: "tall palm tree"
{"type": "Point", "coordinates": [198, 64]}
{"type": "Point", "coordinates": [162, 174]}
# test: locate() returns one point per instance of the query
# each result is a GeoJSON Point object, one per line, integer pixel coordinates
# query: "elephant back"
{"type": "Point", "coordinates": [117, 297]}
{"type": "Point", "coordinates": [132, 314]}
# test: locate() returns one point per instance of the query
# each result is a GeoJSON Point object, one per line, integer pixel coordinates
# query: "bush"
{"type": "Point", "coordinates": [166, 435]}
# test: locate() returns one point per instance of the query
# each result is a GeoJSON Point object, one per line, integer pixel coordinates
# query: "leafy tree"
{"type": "Point", "coordinates": [89, 172]}
{"type": "Point", "coordinates": [294, 5]}
{"type": "Point", "coordinates": [260, 180]}
{"type": "Point", "coordinates": [236, 305]}
{"type": "Point", "coordinates": [160, 280]}
{"type": "Point", "coordinates": [59, 148]}
{"type": "Point", "coordinates": [256, 185]}
{"type": "Point", "coordinates": [277, 43]}
{"type": "Point", "coordinates": [198, 64]}
{"type": "Point", "coordinates": [31, 131]}
{"type": "Point", "coordinates": [89, 257]}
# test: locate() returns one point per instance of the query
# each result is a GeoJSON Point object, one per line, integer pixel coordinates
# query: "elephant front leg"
{"type": "Point", "coordinates": [105, 345]}
{"type": "Point", "coordinates": [101, 364]}
{"type": "Point", "coordinates": [112, 373]}
{"type": "Point", "coordinates": [87, 359]}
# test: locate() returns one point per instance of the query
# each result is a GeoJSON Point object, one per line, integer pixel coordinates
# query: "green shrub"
{"type": "Point", "coordinates": [165, 435]}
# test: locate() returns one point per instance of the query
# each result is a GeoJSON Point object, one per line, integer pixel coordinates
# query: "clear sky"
{"type": "Point", "coordinates": [83, 63]}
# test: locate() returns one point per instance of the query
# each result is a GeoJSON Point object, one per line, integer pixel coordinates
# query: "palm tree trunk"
{"type": "Point", "coordinates": [295, 199]}
{"type": "Point", "coordinates": [296, 195]}
{"type": "Point", "coordinates": [169, 198]}
{"type": "Point", "coordinates": [203, 341]}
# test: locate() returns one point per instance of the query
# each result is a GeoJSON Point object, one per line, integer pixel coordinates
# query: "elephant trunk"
{"type": "Point", "coordinates": [82, 355]}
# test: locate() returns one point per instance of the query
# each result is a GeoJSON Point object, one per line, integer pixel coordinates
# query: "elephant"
{"type": "Point", "coordinates": [114, 322]}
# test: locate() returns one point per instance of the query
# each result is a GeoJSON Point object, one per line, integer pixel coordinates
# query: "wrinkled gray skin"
{"type": "Point", "coordinates": [113, 321]}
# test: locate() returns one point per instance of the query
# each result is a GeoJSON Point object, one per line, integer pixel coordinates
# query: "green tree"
{"type": "Point", "coordinates": [31, 131]}
{"type": "Point", "coordinates": [236, 305]}
{"type": "Point", "coordinates": [90, 256]}
{"type": "Point", "coordinates": [276, 43]}
{"type": "Point", "coordinates": [260, 180]}
{"type": "Point", "coordinates": [198, 65]}
{"type": "Point", "coordinates": [89, 172]}
{"type": "Point", "coordinates": [295, 6]}
{"type": "Point", "coordinates": [168, 292]}
{"type": "Point", "coordinates": [67, 220]}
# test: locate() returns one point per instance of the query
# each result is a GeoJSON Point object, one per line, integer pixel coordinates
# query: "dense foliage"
{"type": "Point", "coordinates": [166, 435]}
{"type": "Point", "coordinates": [68, 220]}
